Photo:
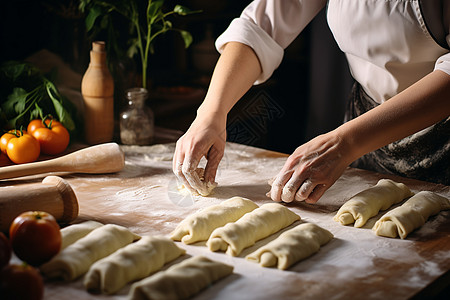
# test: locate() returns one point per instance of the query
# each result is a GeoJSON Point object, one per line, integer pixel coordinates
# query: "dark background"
{"type": "Point", "coordinates": [305, 97]}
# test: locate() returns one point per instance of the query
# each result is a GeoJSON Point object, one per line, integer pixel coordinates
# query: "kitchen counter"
{"type": "Point", "coordinates": [356, 264]}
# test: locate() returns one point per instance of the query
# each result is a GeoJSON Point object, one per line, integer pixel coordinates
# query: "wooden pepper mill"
{"type": "Point", "coordinates": [54, 196]}
{"type": "Point", "coordinates": [97, 88]}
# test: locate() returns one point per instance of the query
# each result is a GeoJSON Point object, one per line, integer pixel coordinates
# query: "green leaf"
{"type": "Point", "coordinates": [16, 101]}
{"type": "Point", "coordinates": [105, 22]}
{"type": "Point", "coordinates": [183, 11]}
{"type": "Point", "coordinates": [94, 13]}
{"type": "Point", "coordinates": [187, 38]}
{"type": "Point", "coordinates": [154, 11]}
{"type": "Point", "coordinates": [13, 70]}
{"type": "Point", "coordinates": [62, 115]}
{"type": "Point", "coordinates": [36, 113]}
{"type": "Point", "coordinates": [133, 48]}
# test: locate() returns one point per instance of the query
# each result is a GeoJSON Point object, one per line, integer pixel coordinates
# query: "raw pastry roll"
{"type": "Point", "coordinates": [198, 226]}
{"type": "Point", "coordinates": [253, 226]}
{"type": "Point", "coordinates": [180, 281]}
{"type": "Point", "coordinates": [73, 233]}
{"type": "Point", "coordinates": [369, 202]}
{"type": "Point", "coordinates": [291, 246]}
{"type": "Point", "coordinates": [76, 259]}
{"type": "Point", "coordinates": [132, 262]}
{"type": "Point", "coordinates": [410, 215]}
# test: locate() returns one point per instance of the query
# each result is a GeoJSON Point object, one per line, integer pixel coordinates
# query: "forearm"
{"type": "Point", "coordinates": [237, 69]}
{"type": "Point", "coordinates": [419, 106]}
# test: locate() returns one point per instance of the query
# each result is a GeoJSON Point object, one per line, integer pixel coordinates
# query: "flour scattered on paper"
{"type": "Point", "coordinates": [142, 192]}
{"type": "Point", "coordinates": [151, 154]}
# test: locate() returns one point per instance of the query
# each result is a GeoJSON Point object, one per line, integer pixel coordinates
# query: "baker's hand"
{"type": "Point", "coordinates": [311, 169]}
{"type": "Point", "coordinates": [205, 137]}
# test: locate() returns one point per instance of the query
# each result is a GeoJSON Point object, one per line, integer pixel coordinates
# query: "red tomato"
{"type": "Point", "coordinates": [35, 237]}
{"type": "Point", "coordinates": [22, 148]}
{"type": "Point", "coordinates": [21, 282]}
{"type": "Point", "coordinates": [5, 250]}
{"type": "Point", "coordinates": [53, 137]}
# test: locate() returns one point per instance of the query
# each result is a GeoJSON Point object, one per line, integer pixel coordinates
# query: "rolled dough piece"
{"type": "Point", "coordinates": [180, 281]}
{"type": "Point", "coordinates": [198, 226]}
{"type": "Point", "coordinates": [73, 233]}
{"type": "Point", "coordinates": [132, 262]}
{"type": "Point", "coordinates": [253, 226]}
{"type": "Point", "coordinates": [410, 215]}
{"type": "Point", "coordinates": [291, 246]}
{"type": "Point", "coordinates": [366, 204]}
{"type": "Point", "coordinates": [76, 259]}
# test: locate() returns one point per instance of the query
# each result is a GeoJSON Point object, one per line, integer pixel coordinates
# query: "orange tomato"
{"type": "Point", "coordinates": [53, 137]}
{"type": "Point", "coordinates": [4, 140]}
{"type": "Point", "coordinates": [35, 237]}
{"type": "Point", "coordinates": [22, 148]}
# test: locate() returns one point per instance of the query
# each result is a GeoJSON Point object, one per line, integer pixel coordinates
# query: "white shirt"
{"type": "Point", "coordinates": [386, 42]}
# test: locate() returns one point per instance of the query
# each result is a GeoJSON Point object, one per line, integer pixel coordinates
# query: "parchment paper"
{"type": "Point", "coordinates": [356, 264]}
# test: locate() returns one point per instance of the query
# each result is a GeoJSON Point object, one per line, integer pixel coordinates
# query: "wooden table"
{"type": "Point", "coordinates": [356, 264]}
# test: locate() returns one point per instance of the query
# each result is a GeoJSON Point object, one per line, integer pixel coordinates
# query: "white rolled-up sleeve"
{"type": "Point", "coordinates": [443, 63]}
{"type": "Point", "coordinates": [268, 51]}
{"type": "Point", "coordinates": [268, 27]}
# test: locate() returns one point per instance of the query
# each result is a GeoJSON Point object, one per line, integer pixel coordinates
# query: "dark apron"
{"type": "Point", "coordinates": [424, 155]}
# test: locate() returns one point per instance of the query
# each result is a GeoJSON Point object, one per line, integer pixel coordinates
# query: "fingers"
{"type": "Point", "coordinates": [178, 170]}
{"type": "Point", "coordinates": [184, 169]}
{"type": "Point", "coordinates": [317, 193]}
{"type": "Point", "coordinates": [214, 157]}
{"type": "Point", "coordinates": [187, 172]}
{"type": "Point", "coordinates": [276, 190]}
{"type": "Point", "coordinates": [305, 190]}
{"type": "Point", "coordinates": [294, 189]}
{"type": "Point", "coordinates": [290, 190]}
{"type": "Point", "coordinates": [284, 186]}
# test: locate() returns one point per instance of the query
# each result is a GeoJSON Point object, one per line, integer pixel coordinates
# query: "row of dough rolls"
{"type": "Point", "coordinates": [111, 256]}
{"type": "Point", "coordinates": [291, 246]}
{"type": "Point", "coordinates": [238, 223]}
{"type": "Point", "coordinates": [130, 263]}
{"type": "Point", "coordinates": [411, 215]}
{"type": "Point", "coordinates": [266, 220]}
{"type": "Point", "coordinates": [180, 281]}
{"type": "Point", "coordinates": [75, 259]}
{"type": "Point", "coordinates": [399, 221]}
{"type": "Point", "coordinates": [199, 226]}
{"type": "Point", "coordinates": [368, 203]}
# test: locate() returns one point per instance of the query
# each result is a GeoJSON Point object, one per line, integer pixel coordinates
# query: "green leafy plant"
{"type": "Point", "coordinates": [27, 94]}
{"type": "Point", "coordinates": [144, 28]}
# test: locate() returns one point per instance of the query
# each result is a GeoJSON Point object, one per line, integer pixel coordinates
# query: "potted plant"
{"type": "Point", "coordinates": [147, 19]}
{"type": "Point", "coordinates": [145, 27]}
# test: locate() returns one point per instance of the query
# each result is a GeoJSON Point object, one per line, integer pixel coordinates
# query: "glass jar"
{"type": "Point", "coordinates": [137, 124]}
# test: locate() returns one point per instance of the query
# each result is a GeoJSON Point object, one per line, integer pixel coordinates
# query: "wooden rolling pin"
{"type": "Point", "coordinates": [54, 195]}
{"type": "Point", "coordinates": [103, 158]}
